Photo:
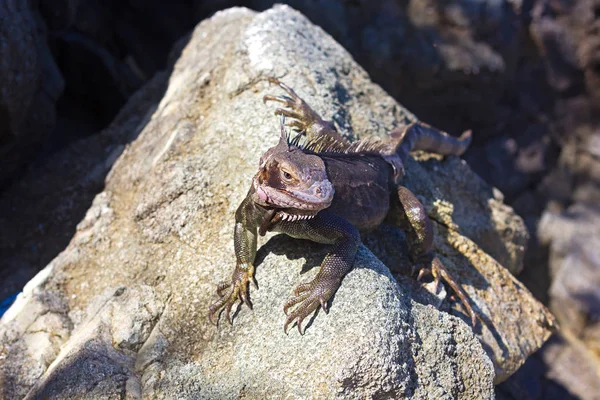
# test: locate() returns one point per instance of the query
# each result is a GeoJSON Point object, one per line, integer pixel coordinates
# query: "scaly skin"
{"type": "Point", "coordinates": [328, 191]}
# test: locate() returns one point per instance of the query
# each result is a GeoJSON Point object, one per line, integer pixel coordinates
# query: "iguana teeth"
{"type": "Point", "coordinates": [295, 217]}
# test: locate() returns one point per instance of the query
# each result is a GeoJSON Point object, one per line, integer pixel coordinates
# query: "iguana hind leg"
{"type": "Point", "coordinates": [232, 292]}
{"type": "Point", "coordinates": [303, 118]}
{"type": "Point", "coordinates": [409, 214]}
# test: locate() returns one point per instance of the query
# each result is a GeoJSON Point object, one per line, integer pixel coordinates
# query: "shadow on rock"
{"type": "Point", "coordinates": [40, 212]}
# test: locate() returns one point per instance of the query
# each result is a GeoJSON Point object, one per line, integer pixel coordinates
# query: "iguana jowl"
{"type": "Point", "coordinates": [329, 191]}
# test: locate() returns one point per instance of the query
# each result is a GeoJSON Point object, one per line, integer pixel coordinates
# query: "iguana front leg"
{"type": "Point", "coordinates": [247, 218]}
{"type": "Point", "coordinates": [409, 214]}
{"type": "Point", "coordinates": [323, 228]}
{"type": "Point", "coordinates": [304, 119]}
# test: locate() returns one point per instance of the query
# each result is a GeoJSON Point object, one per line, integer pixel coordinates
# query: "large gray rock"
{"type": "Point", "coordinates": [122, 310]}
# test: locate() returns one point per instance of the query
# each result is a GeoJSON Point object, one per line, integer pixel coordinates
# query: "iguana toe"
{"type": "Point", "coordinates": [287, 101]}
{"type": "Point", "coordinates": [440, 273]}
{"type": "Point", "coordinates": [222, 287]}
{"type": "Point", "coordinates": [292, 301]}
{"type": "Point", "coordinates": [230, 293]}
{"type": "Point", "coordinates": [307, 299]}
{"type": "Point", "coordinates": [294, 107]}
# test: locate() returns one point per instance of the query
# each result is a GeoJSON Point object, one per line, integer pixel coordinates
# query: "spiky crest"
{"type": "Point", "coordinates": [327, 145]}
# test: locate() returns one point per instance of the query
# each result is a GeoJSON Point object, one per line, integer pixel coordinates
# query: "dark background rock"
{"type": "Point", "coordinates": [29, 88]}
{"type": "Point", "coordinates": [522, 75]}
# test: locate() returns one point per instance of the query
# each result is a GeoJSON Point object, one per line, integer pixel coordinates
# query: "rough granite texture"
{"type": "Point", "coordinates": [122, 312]}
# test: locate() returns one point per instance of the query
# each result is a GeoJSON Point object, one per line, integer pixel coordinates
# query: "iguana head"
{"type": "Point", "coordinates": [292, 181]}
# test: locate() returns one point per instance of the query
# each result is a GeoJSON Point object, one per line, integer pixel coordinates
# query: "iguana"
{"type": "Point", "coordinates": [329, 190]}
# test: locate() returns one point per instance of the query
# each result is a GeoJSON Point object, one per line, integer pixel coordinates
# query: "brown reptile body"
{"type": "Point", "coordinates": [329, 190]}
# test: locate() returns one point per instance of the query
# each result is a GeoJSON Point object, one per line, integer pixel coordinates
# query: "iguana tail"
{"type": "Point", "coordinates": [420, 136]}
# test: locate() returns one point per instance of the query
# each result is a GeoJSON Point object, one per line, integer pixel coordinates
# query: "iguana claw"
{"type": "Point", "coordinates": [303, 118]}
{"type": "Point", "coordinates": [440, 273]}
{"type": "Point", "coordinates": [308, 298]}
{"type": "Point", "coordinates": [231, 292]}
{"type": "Point", "coordinates": [296, 108]}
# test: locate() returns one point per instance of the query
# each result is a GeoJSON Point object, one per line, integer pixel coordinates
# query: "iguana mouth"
{"type": "Point", "coordinates": [317, 197]}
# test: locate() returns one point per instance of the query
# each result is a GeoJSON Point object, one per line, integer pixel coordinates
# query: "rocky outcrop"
{"type": "Point", "coordinates": [122, 310]}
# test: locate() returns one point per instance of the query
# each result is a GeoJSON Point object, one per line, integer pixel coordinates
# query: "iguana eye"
{"type": "Point", "coordinates": [286, 175]}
